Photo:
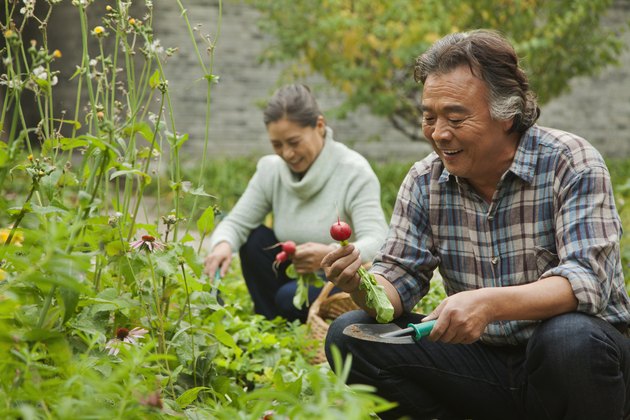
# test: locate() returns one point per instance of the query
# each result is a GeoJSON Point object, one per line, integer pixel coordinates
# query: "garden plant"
{"type": "Point", "coordinates": [104, 308]}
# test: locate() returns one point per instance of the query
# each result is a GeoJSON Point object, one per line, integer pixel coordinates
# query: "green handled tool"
{"type": "Point", "coordinates": [390, 333]}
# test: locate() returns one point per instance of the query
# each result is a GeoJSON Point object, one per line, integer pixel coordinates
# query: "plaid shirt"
{"type": "Point", "coordinates": [553, 214]}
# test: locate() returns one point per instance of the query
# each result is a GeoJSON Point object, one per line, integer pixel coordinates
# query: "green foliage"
{"type": "Point", "coordinates": [105, 311]}
{"type": "Point", "coordinates": [620, 174]}
{"type": "Point", "coordinates": [367, 48]}
{"type": "Point", "coordinates": [375, 297]}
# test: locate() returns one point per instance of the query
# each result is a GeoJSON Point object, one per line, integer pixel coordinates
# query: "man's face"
{"type": "Point", "coordinates": [456, 120]}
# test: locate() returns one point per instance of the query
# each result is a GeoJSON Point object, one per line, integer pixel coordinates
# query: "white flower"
{"type": "Point", "coordinates": [123, 335]}
{"type": "Point", "coordinates": [155, 47]}
{"type": "Point", "coordinates": [29, 7]}
{"type": "Point", "coordinates": [14, 83]}
{"type": "Point", "coordinates": [41, 73]}
{"type": "Point", "coordinates": [83, 3]}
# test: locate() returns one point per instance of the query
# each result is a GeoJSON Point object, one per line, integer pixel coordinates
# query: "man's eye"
{"type": "Point", "coordinates": [455, 121]}
{"type": "Point", "coordinates": [428, 120]}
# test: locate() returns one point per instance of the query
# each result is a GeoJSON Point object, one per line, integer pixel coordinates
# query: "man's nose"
{"type": "Point", "coordinates": [441, 130]}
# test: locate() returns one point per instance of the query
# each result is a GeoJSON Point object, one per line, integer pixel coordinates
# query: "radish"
{"type": "Point", "coordinates": [288, 247]}
{"type": "Point", "coordinates": [281, 257]}
{"type": "Point", "coordinates": [341, 232]}
{"type": "Point", "coordinates": [375, 296]}
{"type": "Point", "coordinates": [303, 280]}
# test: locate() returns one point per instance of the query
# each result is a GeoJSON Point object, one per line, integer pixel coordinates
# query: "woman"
{"type": "Point", "coordinates": [309, 181]}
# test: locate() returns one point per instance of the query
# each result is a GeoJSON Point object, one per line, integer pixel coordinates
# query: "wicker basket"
{"type": "Point", "coordinates": [325, 308]}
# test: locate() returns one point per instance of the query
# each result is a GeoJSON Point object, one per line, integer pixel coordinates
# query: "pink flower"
{"type": "Point", "coordinates": [123, 335]}
{"type": "Point", "coordinates": [147, 242]}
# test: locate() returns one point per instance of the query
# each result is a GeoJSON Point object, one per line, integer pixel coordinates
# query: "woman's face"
{"type": "Point", "coordinates": [298, 146]}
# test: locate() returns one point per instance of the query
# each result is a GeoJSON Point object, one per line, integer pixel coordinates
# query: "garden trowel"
{"type": "Point", "coordinates": [390, 333]}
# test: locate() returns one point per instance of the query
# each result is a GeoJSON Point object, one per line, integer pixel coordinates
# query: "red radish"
{"type": "Point", "coordinates": [340, 231]}
{"type": "Point", "coordinates": [288, 247]}
{"type": "Point", "coordinates": [281, 257]}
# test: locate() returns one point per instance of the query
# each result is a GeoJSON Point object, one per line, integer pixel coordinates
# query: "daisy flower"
{"type": "Point", "coordinates": [123, 335]}
{"type": "Point", "coordinates": [147, 242]}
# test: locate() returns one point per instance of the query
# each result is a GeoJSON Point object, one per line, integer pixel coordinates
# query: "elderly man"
{"type": "Point", "coordinates": [520, 220]}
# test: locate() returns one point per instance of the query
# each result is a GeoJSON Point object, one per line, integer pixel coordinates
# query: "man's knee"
{"type": "Point", "coordinates": [570, 341]}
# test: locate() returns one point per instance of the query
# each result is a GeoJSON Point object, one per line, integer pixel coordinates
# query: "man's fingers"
{"type": "Point", "coordinates": [335, 255]}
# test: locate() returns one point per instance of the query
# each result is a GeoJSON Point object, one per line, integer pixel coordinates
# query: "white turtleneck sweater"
{"type": "Point", "coordinates": [339, 180]}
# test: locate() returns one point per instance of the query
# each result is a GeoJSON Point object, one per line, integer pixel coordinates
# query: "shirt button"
{"type": "Point", "coordinates": [495, 260]}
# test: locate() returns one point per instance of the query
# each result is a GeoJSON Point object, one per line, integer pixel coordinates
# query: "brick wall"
{"type": "Point", "coordinates": [597, 108]}
{"type": "Point", "coordinates": [236, 116]}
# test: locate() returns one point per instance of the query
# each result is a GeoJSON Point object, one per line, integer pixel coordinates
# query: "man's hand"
{"type": "Point", "coordinates": [308, 256]}
{"type": "Point", "coordinates": [341, 266]}
{"type": "Point", "coordinates": [461, 318]}
{"type": "Point", "coordinates": [219, 258]}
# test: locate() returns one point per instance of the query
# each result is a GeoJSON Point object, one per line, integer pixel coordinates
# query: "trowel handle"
{"type": "Point", "coordinates": [422, 329]}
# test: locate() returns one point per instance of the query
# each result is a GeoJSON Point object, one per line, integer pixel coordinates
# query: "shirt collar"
{"type": "Point", "coordinates": [524, 161]}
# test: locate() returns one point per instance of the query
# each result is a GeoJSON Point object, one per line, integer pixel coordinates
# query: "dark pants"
{"type": "Point", "coordinates": [574, 367]}
{"type": "Point", "coordinates": [271, 292]}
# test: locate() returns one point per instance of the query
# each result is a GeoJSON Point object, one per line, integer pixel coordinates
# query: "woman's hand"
{"type": "Point", "coordinates": [341, 266]}
{"type": "Point", "coordinates": [308, 256]}
{"type": "Point", "coordinates": [220, 258]}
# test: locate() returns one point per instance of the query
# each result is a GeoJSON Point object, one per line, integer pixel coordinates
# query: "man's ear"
{"type": "Point", "coordinates": [508, 125]}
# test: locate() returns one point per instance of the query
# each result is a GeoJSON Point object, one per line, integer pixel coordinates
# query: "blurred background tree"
{"type": "Point", "coordinates": [366, 48]}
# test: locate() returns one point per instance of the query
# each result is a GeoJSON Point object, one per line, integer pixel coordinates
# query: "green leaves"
{"type": "Point", "coordinates": [189, 396]}
{"type": "Point", "coordinates": [154, 80]}
{"type": "Point", "coordinates": [303, 282]}
{"type": "Point", "coordinates": [375, 296]}
{"type": "Point", "coordinates": [205, 223]}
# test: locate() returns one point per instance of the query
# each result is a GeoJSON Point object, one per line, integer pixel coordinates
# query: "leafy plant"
{"type": "Point", "coordinates": [104, 308]}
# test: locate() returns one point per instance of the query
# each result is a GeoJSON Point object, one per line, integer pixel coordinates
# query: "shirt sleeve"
{"type": "Point", "coordinates": [588, 231]}
{"type": "Point", "coordinates": [248, 213]}
{"type": "Point", "coordinates": [406, 259]}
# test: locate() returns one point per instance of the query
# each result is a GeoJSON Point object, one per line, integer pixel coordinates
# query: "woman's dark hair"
{"type": "Point", "coordinates": [294, 102]}
{"type": "Point", "coordinates": [491, 58]}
